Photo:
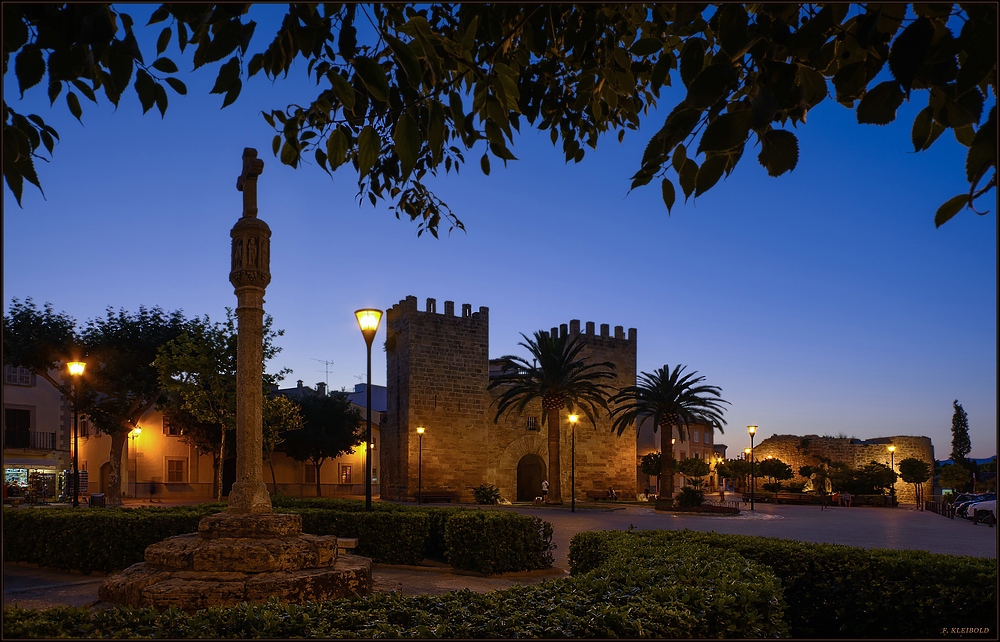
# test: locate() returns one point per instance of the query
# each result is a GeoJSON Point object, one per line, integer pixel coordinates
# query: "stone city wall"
{"type": "Point", "coordinates": [853, 452]}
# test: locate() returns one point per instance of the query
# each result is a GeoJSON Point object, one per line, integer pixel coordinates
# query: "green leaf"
{"type": "Point", "coordinates": [163, 41]}
{"type": "Point", "coordinates": [160, 96]}
{"type": "Point", "coordinates": [120, 63]}
{"type": "Point", "coordinates": [484, 163]}
{"type": "Point", "coordinates": [369, 147]}
{"type": "Point", "coordinates": [177, 85]}
{"type": "Point", "coordinates": [710, 85]}
{"type": "Point", "coordinates": [779, 151]}
{"type": "Point", "coordinates": [144, 89]}
{"type": "Point", "coordinates": [688, 176]}
{"type": "Point", "coordinates": [373, 77]}
{"type": "Point", "coordinates": [692, 59]}
{"type": "Point", "coordinates": [231, 94]}
{"type": "Point", "coordinates": [407, 60]}
{"type": "Point", "coordinates": [29, 67]}
{"type": "Point", "coordinates": [342, 89]}
{"type": "Point", "coordinates": [983, 152]}
{"type": "Point", "coordinates": [813, 84]}
{"type": "Point", "coordinates": [167, 66]}
{"type": "Point", "coordinates": [74, 105]}
{"type": "Point", "coordinates": [229, 73]}
{"type": "Point", "coordinates": [646, 45]}
{"type": "Point", "coordinates": [336, 149]}
{"type": "Point", "coordinates": [879, 104]}
{"type": "Point", "coordinates": [909, 51]}
{"type": "Point", "coordinates": [709, 173]}
{"type": "Point", "coordinates": [406, 138]}
{"type": "Point", "coordinates": [726, 132]}
{"type": "Point", "coordinates": [668, 194]}
{"type": "Point", "coordinates": [950, 208]}
{"type": "Point", "coordinates": [965, 134]}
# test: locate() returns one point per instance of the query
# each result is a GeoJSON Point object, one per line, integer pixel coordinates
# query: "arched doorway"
{"type": "Point", "coordinates": [105, 476]}
{"type": "Point", "coordinates": [530, 473]}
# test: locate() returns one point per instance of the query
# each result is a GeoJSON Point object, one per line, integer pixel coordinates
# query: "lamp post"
{"type": "Point", "coordinates": [420, 459]}
{"type": "Point", "coordinates": [572, 466]}
{"type": "Point", "coordinates": [135, 460]}
{"type": "Point", "coordinates": [752, 430]}
{"type": "Point", "coordinates": [368, 320]}
{"type": "Point", "coordinates": [76, 371]}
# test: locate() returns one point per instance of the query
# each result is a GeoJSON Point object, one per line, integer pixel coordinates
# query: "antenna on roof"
{"type": "Point", "coordinates": [326, 370]}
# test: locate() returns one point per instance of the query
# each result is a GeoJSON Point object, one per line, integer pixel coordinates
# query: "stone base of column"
{"type": "Point", "coordinates": [240, 558]}
{"type": "Point", "coordinates": [249, 498]}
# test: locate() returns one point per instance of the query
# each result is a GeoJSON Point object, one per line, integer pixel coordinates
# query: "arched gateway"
{"type": "Point", "coordinates": [530, 473]}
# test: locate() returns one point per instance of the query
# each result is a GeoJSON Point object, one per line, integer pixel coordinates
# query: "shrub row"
{"type": "Point", "coordinates": [852, 591]}
{"type": "Point", "coordinates": [112, 539]}
{"type": "Point", "coordinates": [636, 592]}
{"type": "Point", "coordinates": [493, 542]}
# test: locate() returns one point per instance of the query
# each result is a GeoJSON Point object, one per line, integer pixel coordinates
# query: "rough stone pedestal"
{"type": "Point", "coordinates": [240, 558]}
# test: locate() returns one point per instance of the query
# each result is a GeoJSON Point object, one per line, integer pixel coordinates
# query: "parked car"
{"type": "Point", "coordinates": [963, 509]}
{"type": "Point", "coordinates": [983, 511]}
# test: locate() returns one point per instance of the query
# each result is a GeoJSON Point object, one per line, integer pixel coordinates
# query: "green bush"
{"type": "Point", "coordinates": [854, 591]}
{"type": "Point", "coordinates": [493, 542]}
{"type": "Point", "coordinates": [387, 537]}
{"type": "Point", "coordinates": [637, 592]}
{"type": "Point", "coordinates": [486, 494]}
{"type": "Point", "coordinates": [689, 497]}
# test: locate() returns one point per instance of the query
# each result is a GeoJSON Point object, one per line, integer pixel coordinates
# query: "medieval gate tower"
{"type": "Point", "coordinates": [438, 370]}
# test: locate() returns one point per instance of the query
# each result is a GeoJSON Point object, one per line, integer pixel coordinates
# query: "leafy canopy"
{"type": "Point", "coordinates": [394, 82]}
{"type": "Point", "coordinates": [331, 427]}
{"type": "Point", "coordinates": [557, 375]}
{"type": "Point", "coordinates": [672, 398]}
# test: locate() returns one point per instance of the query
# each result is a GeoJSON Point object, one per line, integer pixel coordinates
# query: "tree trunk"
{"type": "Point", "coordinates": [219, 461]}
{"type": "Point", "coordinates": [113, 493]}
{"type": "Point", "coordinates": [555, 487]}
{"type": "Point", "coordinates": [665, 499]}
{"type": "Point", "coordinates": [319, 489]}
{"type": "Point", "coordinates": [274, 481]}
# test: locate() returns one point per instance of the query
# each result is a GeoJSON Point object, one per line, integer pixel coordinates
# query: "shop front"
{"type": "Point", "coordinates": [32, 480]}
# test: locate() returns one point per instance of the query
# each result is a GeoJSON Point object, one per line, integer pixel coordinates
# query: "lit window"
{"type": "Point", "coordinates": [84, 427]}
{"type": "Point", "coordinates": [345, 474]}
{"type": "Point", "coordinates": [696, 436]}
{"type": "Point", "coordinates": [310, 476]}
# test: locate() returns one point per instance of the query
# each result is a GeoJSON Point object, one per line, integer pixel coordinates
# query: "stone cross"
{"type": "Point", "coordinates": [250, 273]}
{"type": "Point", "coordinates": [247, 181]}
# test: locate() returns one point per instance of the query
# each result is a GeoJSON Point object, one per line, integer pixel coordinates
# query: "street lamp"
{"type": "Point", "coordinates": [76, 371]}
{"type": "Point", "coordinates": [135, 461]}
{"type": "Point", "coordinates": [420, 459]}
{"type": "Point", "coordinates": [368, 320]}
{"type": "Point", "coordinates": [751, 430]}
{"type": "Point", "coordinates": [572, 466]}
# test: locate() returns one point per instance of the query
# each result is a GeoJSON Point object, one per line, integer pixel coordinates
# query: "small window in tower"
{"type": "Point", "coordinates": [532, 423]}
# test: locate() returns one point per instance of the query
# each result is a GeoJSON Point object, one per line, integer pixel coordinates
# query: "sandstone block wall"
{"type": "Point", "coordinates": [853, 452]}
{"type": "Point", "coordinates": [437, 370]}
{"type": "Point", "coordinates": [437, 376]}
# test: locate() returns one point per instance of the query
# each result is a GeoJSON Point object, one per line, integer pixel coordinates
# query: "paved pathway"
{"type": "Point", "coordinates": [899, 528]}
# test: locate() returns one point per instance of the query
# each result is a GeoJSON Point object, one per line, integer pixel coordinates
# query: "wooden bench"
{"type": "Point", "coordinates": [598, 495]}
{"type": "Point", "coordinates": [428, 496]}
{"type": "Point", "coordinates": [793, 498]}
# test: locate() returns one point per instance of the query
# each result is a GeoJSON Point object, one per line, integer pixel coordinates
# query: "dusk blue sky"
{"type": "Point", "coordinates": [821, 302]}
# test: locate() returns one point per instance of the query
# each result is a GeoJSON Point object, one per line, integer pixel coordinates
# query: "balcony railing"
{"type": "Point", "coordinates": [31, 440]}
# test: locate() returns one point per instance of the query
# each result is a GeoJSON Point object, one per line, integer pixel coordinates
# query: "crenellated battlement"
{"type": "Point", "coordinates": [409, 306]}
{"type": "Point", "coordinates": [573, 328]}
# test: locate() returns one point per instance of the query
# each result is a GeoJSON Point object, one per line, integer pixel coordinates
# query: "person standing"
{"type": "Point", "coordinates": [545, 489]}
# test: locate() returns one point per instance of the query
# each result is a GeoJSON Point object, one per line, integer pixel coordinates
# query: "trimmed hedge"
{"type": "Point", "coordinates": [636, 592]}
{"type": "Point", "coordinates": [493, 542]}
{"type": "Point", "coordinates": [112, 539]}
{"type": "Point", "coordinates": [852, 591]}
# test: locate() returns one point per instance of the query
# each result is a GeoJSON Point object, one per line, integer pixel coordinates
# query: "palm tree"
{"type": "Point", "coordinates": [558, 377]}
{"type": "Point", "coordinates": [674, 400]}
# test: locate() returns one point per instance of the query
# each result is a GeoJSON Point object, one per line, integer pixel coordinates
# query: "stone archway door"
{"type": "Point", "coordinates": [105, 476]}
{"type": "Point", "coordinates": [530, 473]}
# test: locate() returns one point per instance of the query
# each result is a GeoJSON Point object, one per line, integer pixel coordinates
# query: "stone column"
{"type": "Point", "coordinates": [250, 275]}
